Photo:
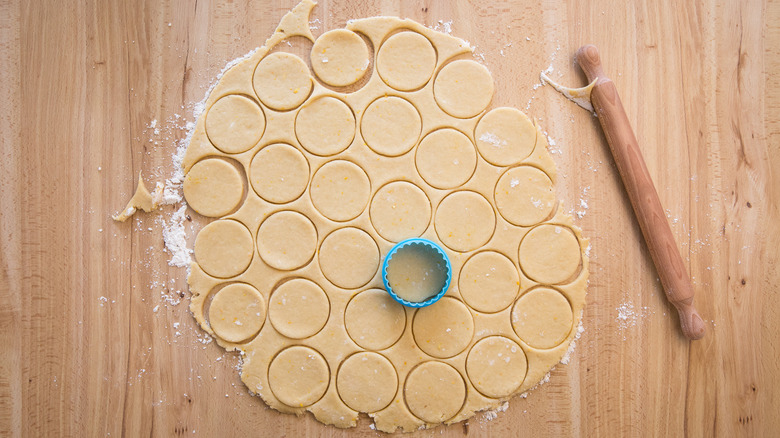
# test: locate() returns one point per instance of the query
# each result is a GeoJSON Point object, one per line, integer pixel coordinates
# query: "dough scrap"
{"type": "Point", "coordinates": [142, 199]}
{"type": "Point", "coordinates": [337, 177]}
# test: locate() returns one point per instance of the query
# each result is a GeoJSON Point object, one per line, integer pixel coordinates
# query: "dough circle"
{"type": "Point", "coordinates": [465, 221]}
{"type": "Point", "coordinates": [224, 248]}
{"type": "Point", "coordinates": [496, 366]}
{"type": "Point", "coordinates": [298, 308]}
{"type": "Point", "coordinates": [550, 254]}
{"type": "Point", "coordinates": [325, 126]}
{"type": "Point", "coordinates": [446, 158]}
{"type": "Point", "coordinates": [237, 312]}
{"type": "Point", "coordinates": [298, 376]}
{"type": "Point", "coordinates": [391, 126]}
{"type": "Point", "coordinates": [286, 240]}
{"type": "Point", "coordinates": [213, 187]}
{"type": "Point", "coordinates": [400, 210]}
{"type": "Point", "coordinates": [340, 190]}
{"type": "Point", "coordinates": [349, 258]}
{"type": "Point", "coordinates": [339, 57]}
{"type": "Point", "coordinates": [279, 173]}
{"type": "Point", "coordinates": [282, 81]}
{"type": "Point", "coordinates": [374, 320]}
{"type": "Point", "coordinates": [235, 123]}
{"type": "Point", "coordinates": [542, 318]}
{"type": "Point", "coordinates": [525, 196]}
{"type": "Point", "coordinates": [463, 88]}
{"type": "Point", "coordinates": [406, 61]}
{"type": "Point", "coordinates": [367, 382]}
{"type": "Point", "coordinates": [443, 330]}
{"type": "Point", "coordinates": [489, 282]}
{"type": "Point", "coordinates": [505, 136]}
{"type": "Point", "coordinates": [434, 391]}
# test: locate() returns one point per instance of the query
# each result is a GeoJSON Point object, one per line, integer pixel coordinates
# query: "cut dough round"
{"type": "Point", "coordinates": [542, 318]}
{"type": "Point", "coordinates": [213, 187]}
{"type": "Point", "coordinates": [299, 308]}
{"type": "Point", "coordinates": [391, 126]}
{"type": "Point", "coordinates": [525, 196]}
{"type": "Point", "coordinates": [367, 382]}
{"type": "Point", "coordinates": [339, 57]}
{"type": "Point", "coordinates": [325, 126]}
{"type": "Point", "coordinates": [224, 248]}
{"type": "Point", "coordinates": [286, 240]}
{"type": "Point", "coordinates": [237, 312]}
{"type": "Point", "coordinates": [374, 320]}
{"type": "Point", "coordinates": [444, 329]}
{"type": "Point", "coordinates": [434, 391]}
{"type": "Point", "coordinates": [340, 190]}
{"type": "Point", "coordinates": [505, 136]}
{"type": "Point", "coordinates": [489, 282]}
{"type": "Point", "coordinates": [400, 210]}
{"type": "Point", "coordinates": [550, 254]}
{"type": "Point", "coordinates": [464, 221]}
{"type": "Point", "coordinates": [234, 124]}
{"type": "Point", "coordinates": [463, 88]}
{"type": "Point", "coordinates": [446, 158]}
{"type": "Point", "coordinates": [406, 61]}
{"type": "Point", "coordinates": [298, 376]}
{"type": "Point", "coordinates": [349, 258]}
{"type": "Point", "coordinates": [282, 81]}
{"type": "Point", "coordinates": [496, 366]}
{"type": "Point", "coordinates": [279, 173]}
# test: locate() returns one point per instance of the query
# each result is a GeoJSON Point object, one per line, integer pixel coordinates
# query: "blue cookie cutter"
{"type": "Point", "coordinates": [439, 251]}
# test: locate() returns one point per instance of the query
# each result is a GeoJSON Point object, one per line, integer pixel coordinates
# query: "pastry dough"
{"type": "Point", "coordinates": [332, 180]}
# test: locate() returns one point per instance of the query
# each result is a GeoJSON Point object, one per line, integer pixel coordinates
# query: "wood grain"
{"type": "Point", "coordinates": [81, 83]}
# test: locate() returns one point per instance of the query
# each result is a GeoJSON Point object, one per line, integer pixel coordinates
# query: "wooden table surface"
{"type": "Point", "coordinates": [93, 344]}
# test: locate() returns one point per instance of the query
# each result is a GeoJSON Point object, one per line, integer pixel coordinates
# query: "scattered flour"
{"type": "Point", "coordinates": [492, 139]}
{"type": "Point", "coordinates": [175, 239]}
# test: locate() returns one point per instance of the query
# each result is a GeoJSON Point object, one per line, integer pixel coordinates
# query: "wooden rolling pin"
{"type": "Point", "coordinates": [641, 192]}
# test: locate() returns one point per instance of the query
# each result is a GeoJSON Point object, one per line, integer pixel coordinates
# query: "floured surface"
{"type": "Point", "coordinates": [335, 180]}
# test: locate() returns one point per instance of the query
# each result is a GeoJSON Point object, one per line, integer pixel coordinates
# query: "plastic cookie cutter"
{"type": "Point", "coordinates": [416, 272]}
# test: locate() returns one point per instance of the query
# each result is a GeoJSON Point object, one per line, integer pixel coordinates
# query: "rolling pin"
{"type": "Point", "coordinates": [641, 192]}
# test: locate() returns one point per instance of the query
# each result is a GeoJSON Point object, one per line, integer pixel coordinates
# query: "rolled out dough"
{"type": "Point", "coordinates": [311, 188]}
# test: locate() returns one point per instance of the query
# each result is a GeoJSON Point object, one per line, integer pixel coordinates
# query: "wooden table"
{"type": "Point", "coordinates": [90, 346]}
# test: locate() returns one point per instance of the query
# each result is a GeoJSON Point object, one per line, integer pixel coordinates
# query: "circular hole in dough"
{"type": "Point", "coordinates": [496, 366]}
{"type": "Point", "coordinates": [325, 126]}
{"type": "Point", "coordinates": [237, 312]}
{"type": "Point", "coordinates": [235, 123]}
{"type": "Point", "coordinates": [525, 196]}
{"type": "Point", "coordinates": [463, 88]}
{"type": "Point", "coordinates": [279, 173]}
{"type": "Point", "coordinates": [282, 81]}
{"type": "Point", "coordinates": [298, 308]}
{"type": "Point", "coordinates": [298, 376]}
{"type": "Point", "coordinates": [444, 329]}
{"type": "Point", "coordinates": [464, 221]}
{"type": "Point", "coordinates": [367, 382]}
{"type": "Point", "coordinates": [446, 158]}
{"type": "Point", "coordinates": [340, 190]}
{"type": "Point", "coordinates": [213, 187]}
{"type": "Point", "coordinates": [542, 318]}
{"type": "Point", "coordinates": [349, 258]}
{"type": "Point", "coordinates": [489, 282]}
{"type": "Point", "coordinates": [549, 254]}
{"type": "Point", "coordinates": [406, 61]}
{"type": "Point", "coordinates": [286, 240]}
{"type": "Point", "coordinates": [505, 136]}
{"type": "Point", "coordinates": [374, 320]}
{"type": "Point", "coordinates": [391, 126]}
{"type": "Point", "coordinates": [224, 248]}
{"type": "Point", "coordinates": [400, 210]}
{"type": "Point", "coordinates": [339, 57]}
{"type": "Point", "coordinates": [434, 391]}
